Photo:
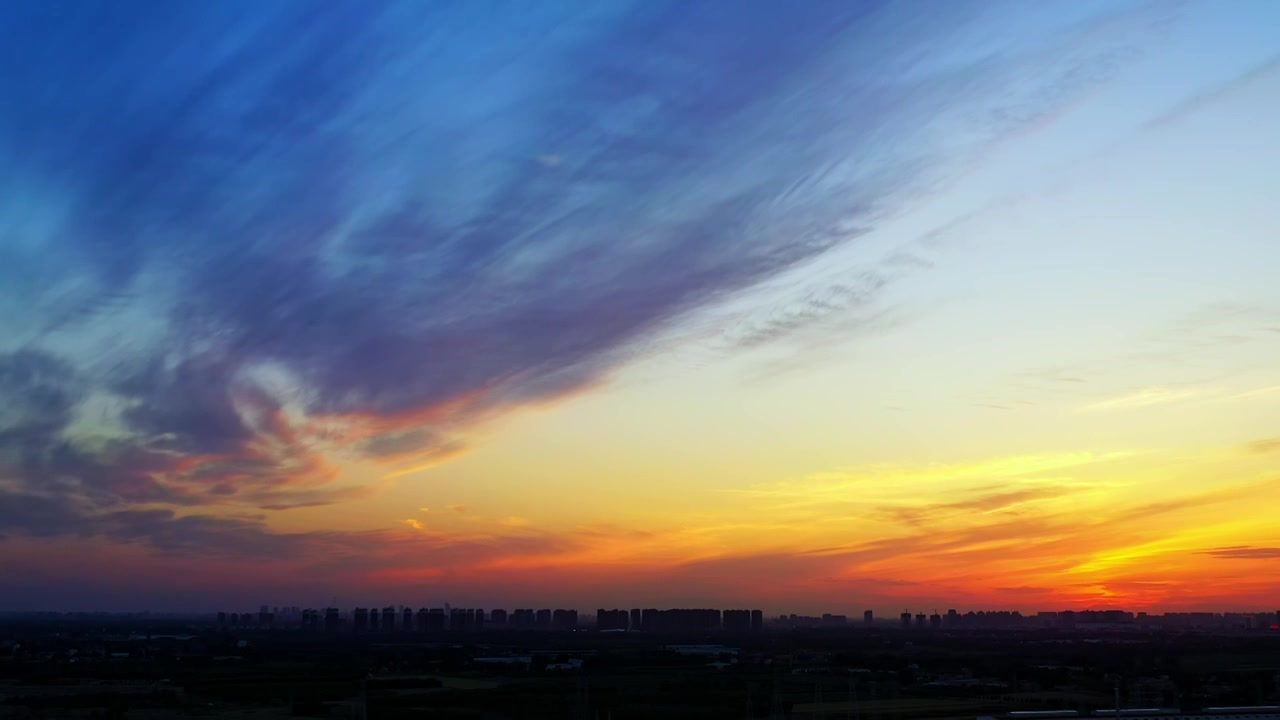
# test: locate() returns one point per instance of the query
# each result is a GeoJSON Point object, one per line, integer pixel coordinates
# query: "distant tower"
{"type": "Point", "coordinates": [868, 617]}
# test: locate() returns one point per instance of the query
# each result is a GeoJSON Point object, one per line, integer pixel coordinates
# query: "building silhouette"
{"type": "Point", "coordinates": [459, 620]}
{"type": "Point", "coordinates": [680, 620]}
{"type": "Point", "coordinates": [757, 620]}
{"type": "Point", "coordinates": [498, 618]}
{"type": "Point", "coordinates": [906, 621]}
{"type": "Point", "coordinates": [331, 619]}
{"type": "Point", "coordinates": [611, 620]}
{"type": "Point", "coordinates": [564, 619]}
{"type": "Point", "coordinates": [360, 619]}
{"type": "Point", "coordinates": [737, 620]}
{"type": "Point", "coordinates": [436, 620]}
{"type": "Point", "coordinates": [868, 617]}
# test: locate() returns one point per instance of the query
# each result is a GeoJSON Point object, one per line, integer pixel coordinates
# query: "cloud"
{"type": "Point", "coordinates": [1263, 447]}
{"type": "Point", "coordinates": [807, 309]}
{"type": "Point", "coordinates": [887, 482]}
{"type": "Point", "coordinates": [1146, 398]}
{"type": "Point", "coordinates": [239, 269]}
{"type": "Point", "coordinates": [1215, 94]}
{"type": "Point", "coordinates": [458, 508]}
{"type": "Point", "coordinates": [1241, 552]}
{"type": "Point", "coordinates": [406, 442]}
{"type": "Point", "coordinates": [1256, 393]}
{"type": "Point", "coordinates": [987, 503]}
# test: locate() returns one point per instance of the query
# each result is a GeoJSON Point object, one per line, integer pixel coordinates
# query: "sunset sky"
{"type": "Point", "coordinates": [802, 306]}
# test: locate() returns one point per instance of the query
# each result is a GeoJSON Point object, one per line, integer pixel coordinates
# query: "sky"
{"type": "Point", "coordinates": [809, 307]}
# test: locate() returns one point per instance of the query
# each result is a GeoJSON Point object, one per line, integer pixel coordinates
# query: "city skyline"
{"type": "Point", "coordinates": [775, 305]}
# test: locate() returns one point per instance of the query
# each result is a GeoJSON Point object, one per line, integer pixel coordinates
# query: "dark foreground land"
{"type": "Point", "coordinates": [143, 668]}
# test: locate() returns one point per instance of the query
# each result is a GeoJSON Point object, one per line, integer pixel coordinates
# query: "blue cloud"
{"type": "Point", "coordinates": [390, 206]}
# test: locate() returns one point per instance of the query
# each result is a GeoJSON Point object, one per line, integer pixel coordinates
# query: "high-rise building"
{"type": "Point", "coordinates": [649, 619]}
{"type": "Point", "coordinates": [737, 620]}
{"type": "Point", "coordinates": [459, 620]}
{"type": "Point", "coordinates": [406, 620]}
{"type": "Point", "coordinates": [921, 619]}
{"type": "Point", "coordinates": [479, 621]}
{"type": "Point", "coordinates": [498, 617]}
{"type": "Point", "coordinates": [222, 619]}
{"type": "Point", "coordinates": [421, 625]}
{"type": "Point", "coordinates": [331, 619]}
{"type": "Point", "coordinates": [373, 619]}
{"type": "Point", "coordinates": [953, 618]}
{"type": "Point", "coordinates": [436, 620]}
{"type": "Point", "coordinates": [564, 619]}
{"type": "Point", "coordinates": [607, 620]}
{"type": "Point", "coordinates": [829, 620]}
{"type": "Point", "coordinates": [543, 618]}
{"type": "Point", "coordinates": [757, 620]}
{"type": "Point", "coordinates": [868, 617]}
{"type": "Point", "coordinates": [360, 619]}
{"type": "Point", "coordinates": [388, 619]}
{"type": "Point", "coordinates": [935, 621]}
{"type": "Point", "coordinates": [635, 620]}
{"type": "Point", "coordinates": [679, 620]}
{"type": "Point", "coordinates": [906, 621]}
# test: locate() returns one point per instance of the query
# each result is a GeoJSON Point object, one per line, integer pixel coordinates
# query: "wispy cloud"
{"type": "Point", "coordinates": [1241, 552]}
{"type": "Point", "coordinates": [1263, 447]}
{"type": "Point", "coordinates": [1146, 398]}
